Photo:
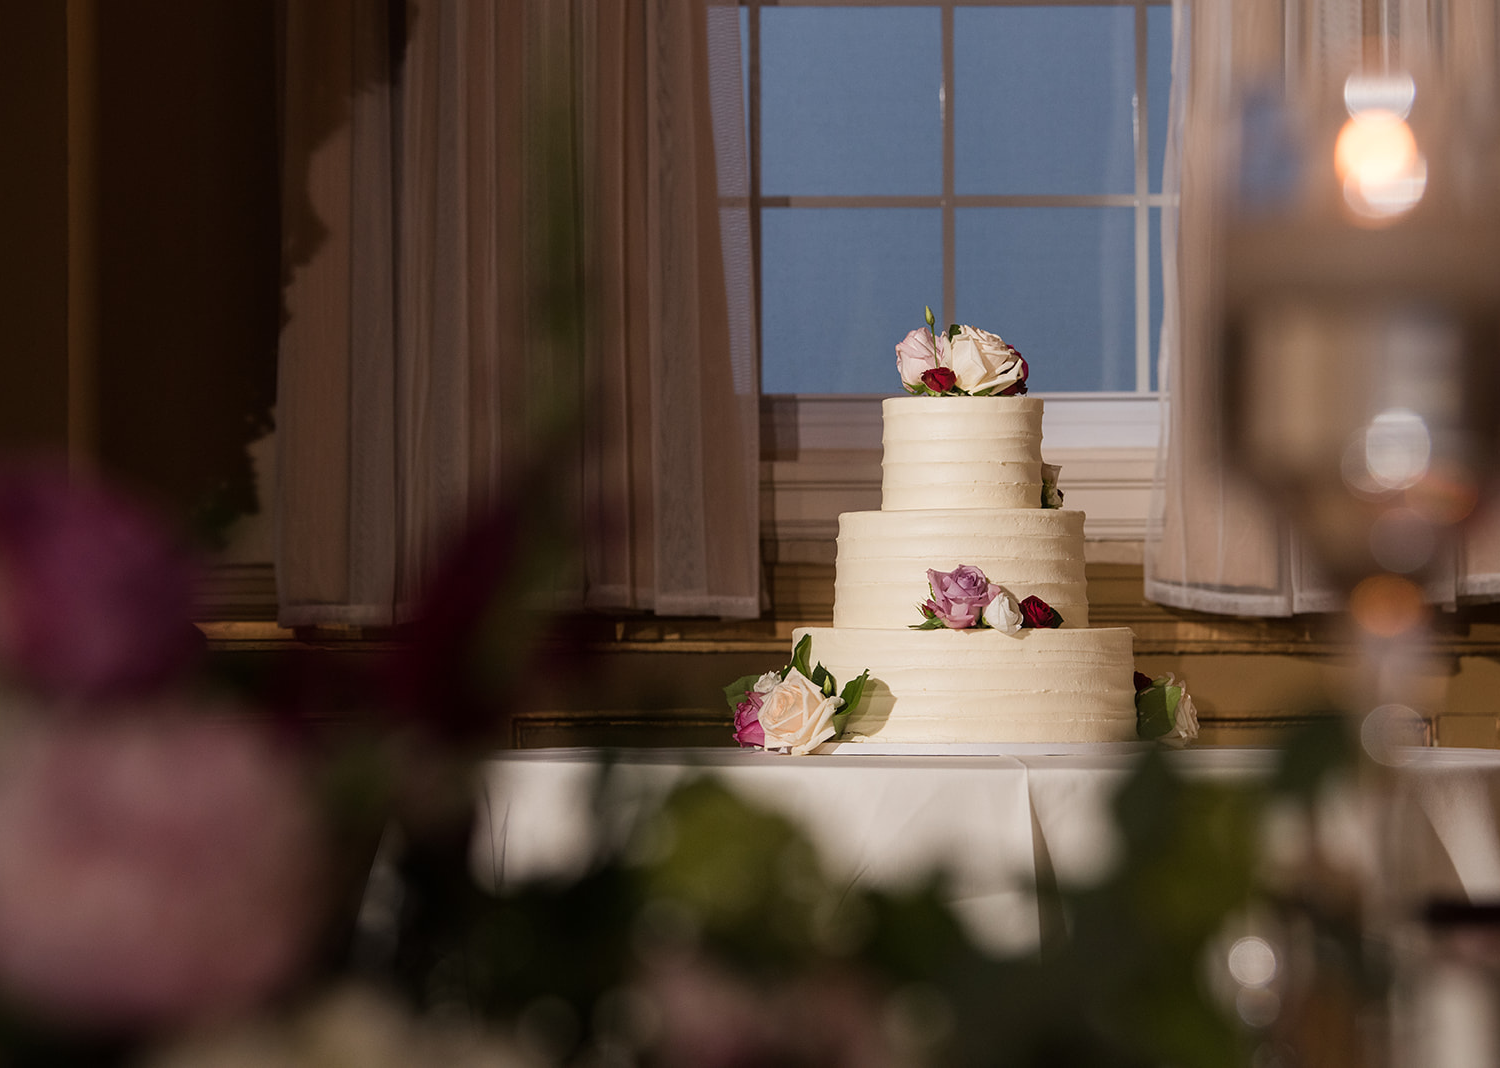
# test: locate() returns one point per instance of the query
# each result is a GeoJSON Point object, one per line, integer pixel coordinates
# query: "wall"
{"type": "Point", "coordinates": [140, 285]}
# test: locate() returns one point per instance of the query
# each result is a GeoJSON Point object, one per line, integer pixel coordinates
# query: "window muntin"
{"type": "Point", "coordinates": [1051, 241]}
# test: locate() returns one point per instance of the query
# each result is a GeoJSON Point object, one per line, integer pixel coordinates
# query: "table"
{"type": "Point", "coordinates": [998, 822]}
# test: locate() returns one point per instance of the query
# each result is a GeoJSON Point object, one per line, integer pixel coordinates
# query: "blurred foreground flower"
{"type": "Point", "coordinates": [153, 869]}
{"type": "Point", "coordinates": [351, 1027]}
{"type": "Point", "coordinates": [95, 599]}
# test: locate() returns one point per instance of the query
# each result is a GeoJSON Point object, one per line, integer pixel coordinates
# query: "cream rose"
{"type": "Point", "coordinates": [983, 362]}
{"type": "Point", "coordinates": [796, 715]}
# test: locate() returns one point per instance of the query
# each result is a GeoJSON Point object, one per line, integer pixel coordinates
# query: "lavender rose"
{"type": "Point", "coordinates": [985, 364]}
{"type": "Point", "coordinates": [918, 353]}
{"type": "Point", "coordinates": [960, 595]}
{"type": "Point", "coordinates": [797, 715]}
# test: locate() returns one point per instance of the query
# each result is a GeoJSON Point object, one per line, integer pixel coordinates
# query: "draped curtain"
{"type": "Point", "coordinates": [516, 238]}
{"type": "Point", "coordinates": [1213, 543]}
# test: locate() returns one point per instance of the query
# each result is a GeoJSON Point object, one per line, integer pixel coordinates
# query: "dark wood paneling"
{"type": "Point", "coordinates": [34, 227]}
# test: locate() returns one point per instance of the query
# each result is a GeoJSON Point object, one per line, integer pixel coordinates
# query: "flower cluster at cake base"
{"type": "Point", "coordinates": [964, 599]}
{"type": "Point", "coordinates": [792, 710]}
{"type": "Point", "coordinates": [1164, 710]}
{"type": "Point", "coordinates": [962, 361]}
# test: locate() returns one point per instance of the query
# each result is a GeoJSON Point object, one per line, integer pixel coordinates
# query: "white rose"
{"type": "Point", "coordinates": [767, 682]}
{"type": "Point", "coordinates": [796, 716]}
{"type": "Point", "coordinates": [1052, 496]}
{"type": "Point", "coordinates": [1185, 722]}
{"type": "Point", "coordinates": [982, 362]}
{"type": "Point", "coordinates": [1002, 614]}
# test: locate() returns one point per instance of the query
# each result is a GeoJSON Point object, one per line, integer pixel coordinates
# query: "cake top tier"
{"type": "Point", "coordinates": [962, 452]}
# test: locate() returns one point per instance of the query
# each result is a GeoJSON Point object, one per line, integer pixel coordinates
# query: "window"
{"type": "Point", "coordinates": [1000, 162]}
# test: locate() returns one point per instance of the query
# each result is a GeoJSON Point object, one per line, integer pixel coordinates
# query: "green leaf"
{"type": "Point", "coordinates": [734, 693]}
{"type": "Point", "coordinates": [952, 331]}
{"type": "Point", "coordinates": [822, 680]}
{"type": "Point", "coordinates": [930, 623]}
{"type": "Point", "coordinates": [801, 654]}
{"type": "Point", "coordinates": [853, 691]}
{"type": "Point", "coordinates": [1153, 718]}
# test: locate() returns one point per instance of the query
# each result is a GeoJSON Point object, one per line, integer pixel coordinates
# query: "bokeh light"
{"type": "Point", "coordinates": [1387, 606]}
{"type": "Point", "coordinates": [1377, 160]}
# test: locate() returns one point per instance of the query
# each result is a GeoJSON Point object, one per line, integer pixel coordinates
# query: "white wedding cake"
{"type": "Point", "coordinates": [962, 487]}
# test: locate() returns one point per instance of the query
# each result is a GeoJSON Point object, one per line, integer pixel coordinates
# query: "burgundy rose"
{"type": "Point", "coordinates": [747, 728]}
{"type": "Point", "coordinates": [1142, 681]}
{"type": "Point", "coordinates": [939, 379]}
{"type": "Point", "coordinates": [960, 595]}
{"type": "Point", "coordinates": [1039, 614]}
{"type": "Point", "coordinates": [1018, 387]}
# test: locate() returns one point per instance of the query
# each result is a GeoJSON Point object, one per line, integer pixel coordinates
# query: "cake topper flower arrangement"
{"type": "Point", "coordinates": [964, 599]}
{"type": "Point", "coordinates": [1164, 710]}
{"type": "Point", "coordinates": [961, 361]}
{"type": "Point", "coordinates": [792, 710]}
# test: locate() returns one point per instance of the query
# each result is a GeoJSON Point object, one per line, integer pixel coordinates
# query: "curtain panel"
{"type": "Point", "coordinates": [516, 240]}
{"type": "Point", "coordinates": [1214, 543]}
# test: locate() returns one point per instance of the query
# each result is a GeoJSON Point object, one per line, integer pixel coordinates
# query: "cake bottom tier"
{"type": "Point", "coordinates": [982, 685]}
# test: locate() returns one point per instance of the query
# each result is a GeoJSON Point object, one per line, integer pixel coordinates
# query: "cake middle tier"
{"type": "Point", "coordinates": [880, 571]}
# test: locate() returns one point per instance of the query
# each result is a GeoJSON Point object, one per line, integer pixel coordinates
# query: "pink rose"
{"type": "Point", "coordinates": [959, 596]}
{"type": "Point", "coordinates": [917, 353]}
{"type": "Point", "coordinates": [1038, 613]}
{"type": "Point", "coordinates": [747, 728]}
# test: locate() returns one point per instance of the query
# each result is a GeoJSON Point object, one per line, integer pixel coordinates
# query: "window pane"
{"type": "Point", "coordinates": [1058, 284]}
{"type": "Point", "coordinates": [1042, 100]}
{"type": "Point", "coordinates": [850, 101]}
{"type": "Point", "coordinates": [1158, 86]}
{"type": "Point", "coordinates": [839, 288]}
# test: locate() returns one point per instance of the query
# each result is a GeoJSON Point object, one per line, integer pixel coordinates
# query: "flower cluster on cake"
{"type": "Point", "coordinates": [961, 361]}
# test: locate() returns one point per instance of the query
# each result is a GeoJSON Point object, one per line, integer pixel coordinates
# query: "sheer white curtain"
{"type": "Point", "coordinates": [515, 238]}
{"type": "Point", "coordinates": [1213, 544]}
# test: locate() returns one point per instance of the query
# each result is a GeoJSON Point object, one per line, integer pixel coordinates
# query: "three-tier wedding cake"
{"type": "Point", "coordinates": [962, 488]}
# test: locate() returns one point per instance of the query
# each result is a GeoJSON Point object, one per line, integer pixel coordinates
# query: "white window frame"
{"type": "Point", "coordinates": [1107, 441]}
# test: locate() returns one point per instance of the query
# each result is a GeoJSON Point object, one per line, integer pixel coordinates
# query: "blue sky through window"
{"type": "Point", "coordinates": [851, 107]}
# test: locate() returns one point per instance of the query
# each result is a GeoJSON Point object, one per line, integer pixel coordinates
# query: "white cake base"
{"type": "Point", "coordinates": [952, 687]}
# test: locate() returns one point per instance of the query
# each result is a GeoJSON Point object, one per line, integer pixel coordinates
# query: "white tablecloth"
{"type": "Point", "coordinates": [995, 822]}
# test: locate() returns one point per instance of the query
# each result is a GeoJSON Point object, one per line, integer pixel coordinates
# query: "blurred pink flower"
{"type": "Point", "coordinates": [709, 1017]}
{"type": "Point", "coordinates": [153, 869]}
{"type": "Point", "coordinates": [95, 599]}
